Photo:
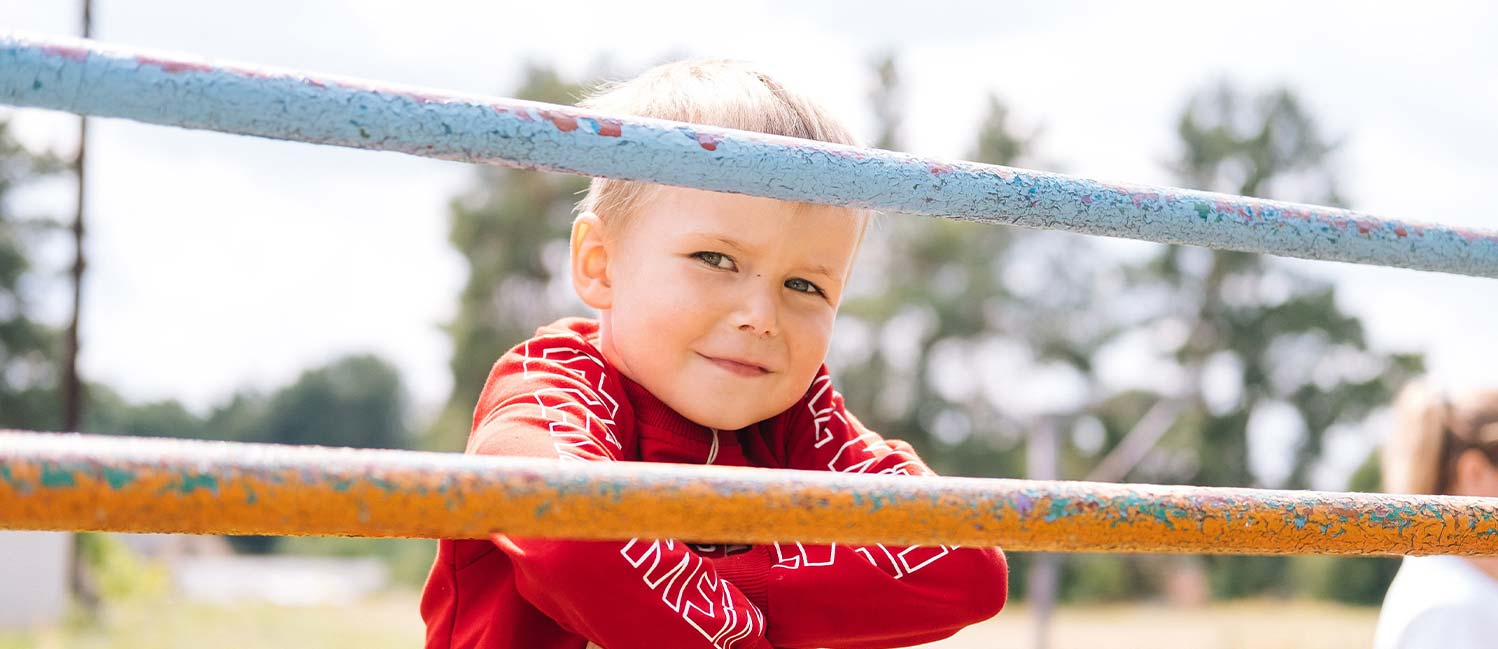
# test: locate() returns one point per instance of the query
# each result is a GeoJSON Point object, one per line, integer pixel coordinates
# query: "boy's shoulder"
{"type": "Point", "coordinates": [576, 332]}
{"type": "Point", "coordinates": [563, 355]}
{"type": "Point", "coordinates": [569, 344]}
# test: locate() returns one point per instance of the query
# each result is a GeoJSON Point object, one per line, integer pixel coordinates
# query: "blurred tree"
{"type": "Point", "coordinates": [962, 337]}
{"type": "Point", "coordinates": [1354, 580]}
{"type": "Point", "coordinates": [29, 349]}
{"type": "Point", "coordinates": [241, 419]}
{"type": "Point", "coordinates": [109, 413]}
{"type": "Point", "coordinates": [357, 401]}
{"type": "Point", "coordinates": [934, 300]}
{"type": "Point", "coordinates": [914, 290]}
{"type": "Point", "coordinates": [512, 228]}
{"type": "Point", "coordinates": [1269, 362]}
{"type": "Point", "coordinates": [941, 312]}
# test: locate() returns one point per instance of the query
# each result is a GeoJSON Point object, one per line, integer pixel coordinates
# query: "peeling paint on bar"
{"type": "Point", "coordinates": [87, 78]}
{"type": "Point", "coordinates": [52, 481]}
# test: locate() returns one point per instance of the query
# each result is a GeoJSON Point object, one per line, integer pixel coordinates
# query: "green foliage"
{"type": "Point", "coordinates": [903, 315]}
{"type": "Point", "coordinates": [1350, 580]}
{"type": "Point", "coordinates": [1286, 342]}
{"type": "Point", "coordinates": [107, 412]}
{"type": "Point", "coordinates": [1369, 476]}
{"type": "Point", "coordinates": [1100, 578]}
{"type": "Point", "coordinates": [357, 401]}
{"type": "Point", "coordinates": [1353, 580]}
{"type": "Point", "coordinates": [29, 349]}
{"type": "Point", "coordinates": [1249, 340]}
{"type": "Point", "coordinates": [387, 621]}
{"type": "Point", "coordinates": [118, 573]}
{"type": "Point", "coordinates": [512, 229]}
{"type": "Point", "coordinates": [931, 295]}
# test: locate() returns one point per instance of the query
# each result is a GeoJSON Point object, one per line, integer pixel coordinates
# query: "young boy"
{"type": "Point", "coordinates": [715, 312]}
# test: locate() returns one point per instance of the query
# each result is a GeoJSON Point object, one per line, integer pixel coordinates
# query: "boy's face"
{"type": "Point", "coordinates": [720, 305]}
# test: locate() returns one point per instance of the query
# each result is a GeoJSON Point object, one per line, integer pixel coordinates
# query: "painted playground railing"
{"type": "Point", "coordinates": [85, 482]}
{"type": "Point", "coordinates": [74, 482]}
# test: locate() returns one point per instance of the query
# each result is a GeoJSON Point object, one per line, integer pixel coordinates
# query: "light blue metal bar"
{"type": "Point", "coordinates": [87, 78]}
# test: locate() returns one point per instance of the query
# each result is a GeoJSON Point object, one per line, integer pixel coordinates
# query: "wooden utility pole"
{"type": "Point", "coordinates": [80, 582]}
{"type": "Point", "coordinates": [72, 384]}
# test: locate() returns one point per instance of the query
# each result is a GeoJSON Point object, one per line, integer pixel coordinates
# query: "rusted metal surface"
{"type": "Point", "coordinates": [88, 78]}
{"type": "Point", "coordinates": [80, 482]}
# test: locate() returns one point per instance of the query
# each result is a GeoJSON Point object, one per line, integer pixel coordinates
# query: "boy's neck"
{"type": "Point", "coordinates": [606, 346]}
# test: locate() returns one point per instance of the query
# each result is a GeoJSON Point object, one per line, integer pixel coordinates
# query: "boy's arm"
{"type": "Point", "coordinates": [877, 595]}
{"type": "Point", "coordinates": [639, 593]}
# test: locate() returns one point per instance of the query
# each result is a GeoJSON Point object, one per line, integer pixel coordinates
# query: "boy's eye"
{"type": "Point", "coordinates": [802, 286]}
{"type": "Point", "coordinates": [716, 260]}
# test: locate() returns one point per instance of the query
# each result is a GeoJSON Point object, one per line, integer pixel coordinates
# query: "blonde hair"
{"type": "Point", "coordinates": [1431, 432]}
{"type": "Point", "coordinates": [713, 92]}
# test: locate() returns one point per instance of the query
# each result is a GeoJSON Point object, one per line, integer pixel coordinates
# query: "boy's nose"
{"type": "Point", "coordinates": [757, 315]}
{"type": "Point", "coordinates": [761, 331]}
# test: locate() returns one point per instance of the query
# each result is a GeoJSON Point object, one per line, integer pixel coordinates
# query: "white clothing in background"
{"type": "Point", "coordinates": [1439, 602]}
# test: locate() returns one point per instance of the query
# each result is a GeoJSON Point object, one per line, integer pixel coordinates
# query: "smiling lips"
{"type": "Point", "coordinates": [737, 367]}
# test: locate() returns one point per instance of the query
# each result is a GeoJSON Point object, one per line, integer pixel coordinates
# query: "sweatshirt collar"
{"type": "Point", "coordinates": [652, 412]}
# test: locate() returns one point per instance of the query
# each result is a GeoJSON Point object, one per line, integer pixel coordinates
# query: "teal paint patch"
{"type": "Point", "coordinates": [117, 478]}
{"type": "Point", "coordinates": [54, 476]}
{"type": "Point", "coordinates": [1161, 515]}
{"type": "Point", "coordinates": [874, 502]}
{"type": "Point", "coordinates": [1060, 508]}
{"type": "Point", "coordinates": [14, 482]}
{"type": "Point", "coordinates": [190, 482]}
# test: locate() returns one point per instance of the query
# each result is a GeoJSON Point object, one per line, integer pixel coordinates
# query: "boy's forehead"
{"type": "Point", "coordinates": [750, 221]}
{"type": "Point", "coordinates": [680, 209]}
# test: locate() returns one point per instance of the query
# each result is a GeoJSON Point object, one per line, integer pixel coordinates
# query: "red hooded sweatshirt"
{"type": "Point", "coordinates": [555, 396]}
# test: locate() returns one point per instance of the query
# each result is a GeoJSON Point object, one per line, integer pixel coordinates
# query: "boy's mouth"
{"type": "Point", "coordinates": [739, 367]}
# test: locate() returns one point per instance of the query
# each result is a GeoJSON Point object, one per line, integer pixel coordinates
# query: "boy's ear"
{"type": "Point", "coordinates": [590, 262]}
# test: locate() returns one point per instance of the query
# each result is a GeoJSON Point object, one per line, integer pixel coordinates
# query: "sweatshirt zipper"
{"type": "Point", "coordinates": [712, 453]}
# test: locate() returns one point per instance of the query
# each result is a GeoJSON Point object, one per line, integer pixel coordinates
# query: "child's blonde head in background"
{"type": "Point", "coordinates": [1443, 445]}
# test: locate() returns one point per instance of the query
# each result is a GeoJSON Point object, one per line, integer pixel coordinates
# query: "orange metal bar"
{"type": "Point", "coordinates": [80, 482]}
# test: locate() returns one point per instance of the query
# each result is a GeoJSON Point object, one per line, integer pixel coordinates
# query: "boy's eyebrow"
{"type": "Point", "coordinates": [722, 239]}
{"type": "Point", "coordinates": [822, 269]}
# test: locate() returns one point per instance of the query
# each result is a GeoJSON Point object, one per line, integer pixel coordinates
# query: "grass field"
{"type": "Point", "coordinates": [392, 621]}
{"type": "Point", "coordinates": [1238, 625]}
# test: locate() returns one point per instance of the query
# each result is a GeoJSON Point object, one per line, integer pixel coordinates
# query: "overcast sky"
{"type": "Point", "coordinates": [220, 262]}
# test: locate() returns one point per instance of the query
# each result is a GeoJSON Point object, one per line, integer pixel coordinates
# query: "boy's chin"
{"type": "Point", "coordinates": [727, 418]}
{"type": "Point", "coordinates": [721, 422]}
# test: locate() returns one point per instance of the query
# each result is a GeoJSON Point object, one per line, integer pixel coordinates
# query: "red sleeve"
{"type": "Point", "coordinates": [551, 398]}
{"type": "Point", "coordinates": [876, 595]}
